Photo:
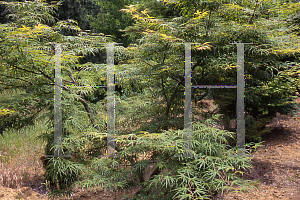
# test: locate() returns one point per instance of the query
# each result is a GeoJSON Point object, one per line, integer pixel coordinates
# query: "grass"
{"type": "Point", "coordinates": [20, 153]}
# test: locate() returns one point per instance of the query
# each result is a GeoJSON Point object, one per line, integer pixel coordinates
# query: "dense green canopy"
{"type": "Point", "coordinates": [149, 77]}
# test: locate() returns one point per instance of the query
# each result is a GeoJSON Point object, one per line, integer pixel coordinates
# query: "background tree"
{"type": "Point", "coordinates": [78, 10]}
{"type": "Point", "coordinates": [27, 59]}
{"type": "Point", "coordinates": [268, 87]}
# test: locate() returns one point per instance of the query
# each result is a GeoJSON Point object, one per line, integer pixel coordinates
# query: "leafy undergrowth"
{"type": "Point", "coordinates": [275, 166]}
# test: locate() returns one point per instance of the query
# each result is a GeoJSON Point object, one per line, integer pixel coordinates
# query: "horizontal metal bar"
{"type": "Point", "coordinates": [98, 43]}
{"type": "Point", "coordinates": [83, 86]}
{"type": "Point", "coordinates": [240, 43]}
{"type": "Point", "coordinates": [135, 74]}
{"type": "Point", "coordinates": [188, 43]}
{"type": "Point", "coordinates": [50, 156]}
{"type": "Point", "coordinates": [178, 43]}
{"type": "Point", "coordinates": [214, 86]}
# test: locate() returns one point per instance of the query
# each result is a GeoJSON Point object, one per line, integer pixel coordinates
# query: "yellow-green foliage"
{"type": "Point", "coordinates": [6, 111]}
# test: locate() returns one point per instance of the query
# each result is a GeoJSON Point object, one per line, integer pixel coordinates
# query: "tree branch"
{"type": "Point", "coordinates": [67, 81]}
{"type": "Point", "coordinates": [162, 83]}
{"type": "Point", "coordinates": [46, 75]}
{"type": "Point", "coordinates": [169, 103]}
{"type": "Point", "coordinates": [180, 81]}
{"type": "Point", "coordinates": [86, 106]}
{"type": "Point", "coordinates": [18, 79]}
{"type": "Point", "coordinates": [84, 103]}
{"type": "Point", "coordinates": [52, 80]}
{"type": "Point", "coordinates": [252, 16]}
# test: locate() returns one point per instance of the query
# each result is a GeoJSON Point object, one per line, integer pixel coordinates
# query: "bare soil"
{"type": "Point", "coordinates": [277, 164]}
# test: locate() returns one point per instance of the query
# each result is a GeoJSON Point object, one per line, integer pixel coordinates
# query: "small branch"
{"type": "Point", "coordinates": [36, 112]}
{"type": "Point", "coordinates": [13, 13]}
{"type": "Point", "coordinates": [252, 16]}
{"type": "Point", "coordinates": [86, 106]}
{"type": "Point", "coordinates": [169, 103]}
{"type": "Point", "coordinates": [67, 81]}
{"type": "Point", "coordinates": [70, 75]}
{"type": "Point", "coordinates": [180, 81]}
{"type": "Point", "coordinates": [52, 80]}
{"type": "Point", "coordinates": [25, 85]}
{"type": "Point", "coordinates": [162, 83]}
{"type": "Point", "coordinates": [18, 78]}
{"type": "Point", "coordinates": [164, 57]}
{"type": "Point", "coordinates": [46, 75]}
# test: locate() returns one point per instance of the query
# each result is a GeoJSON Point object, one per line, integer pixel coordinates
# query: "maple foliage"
{"type": "Point", "coordinates": [150, 73]}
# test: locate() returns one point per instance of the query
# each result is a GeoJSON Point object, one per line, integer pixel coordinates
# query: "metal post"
{"type": "Point", "coordinates": [57, 103]}
{"type": "Point", "coordinates": [240, 107]}
{"type": "Point", "coordinates": [110, 100]}
{"type": "Point", "coordinates": [188, 101]}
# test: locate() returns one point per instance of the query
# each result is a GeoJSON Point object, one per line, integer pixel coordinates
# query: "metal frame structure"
{"type": "Point", "coordinates": [188, 100]}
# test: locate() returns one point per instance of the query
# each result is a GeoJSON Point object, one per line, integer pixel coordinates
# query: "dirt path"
{"type": "Point", "coordinates": [277, 164]}
{"type": "Point", "coordinates": [22, 193]}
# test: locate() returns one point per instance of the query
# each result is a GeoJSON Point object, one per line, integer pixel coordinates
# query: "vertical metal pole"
{"type": "Point", "coordinates": [57, 103]}
{"type": "Point", "coordinates": [188, 101]}
{"type": "Point", "coordinates": [110, 100]}
{"type": "Point", "coordinates": [240, 108]}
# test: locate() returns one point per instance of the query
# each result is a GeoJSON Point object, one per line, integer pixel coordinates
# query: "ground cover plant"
{"type": "Point", "coordinates": [211, 168]}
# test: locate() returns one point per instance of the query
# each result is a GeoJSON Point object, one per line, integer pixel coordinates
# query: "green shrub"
{"type": "Point", "coordinates": [212, 168]}
{"type": "Point", "coordinates": [256, 128]}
